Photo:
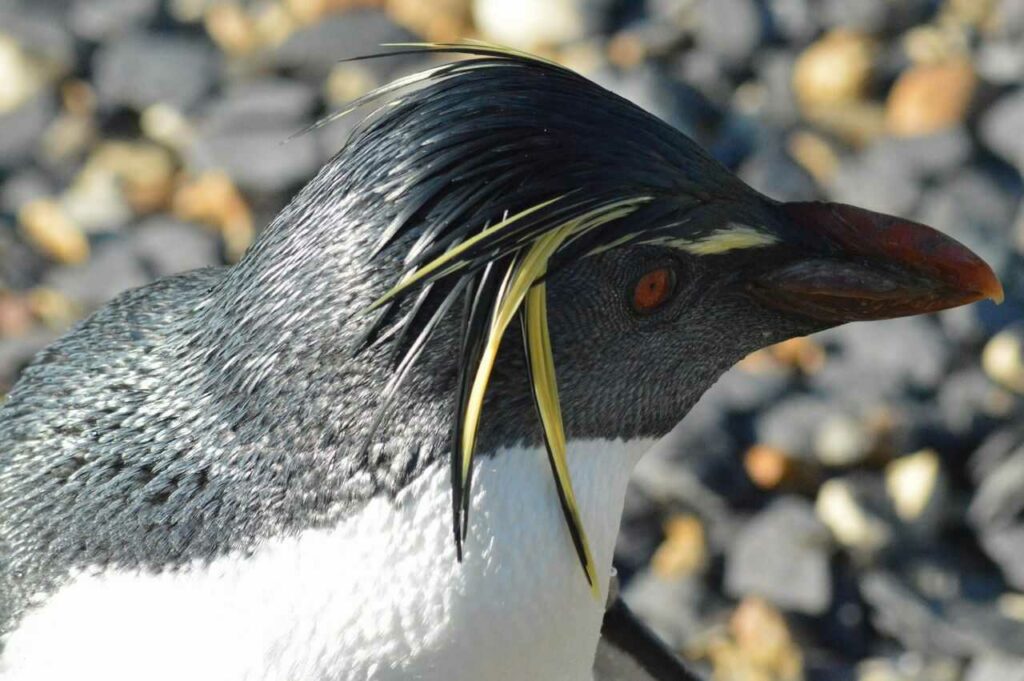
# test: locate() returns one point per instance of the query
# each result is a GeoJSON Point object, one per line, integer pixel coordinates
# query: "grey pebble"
{"type": "Point", "coordinates": [98, 20]}
{"type": "Point", "coordinates": [23, 127]}
{"type": "Point", "coordinates": [165, 246]}
{"type": "Point", "coordinates": [141, 69]}
{"type": "Point", "coordinates": [782, 554]}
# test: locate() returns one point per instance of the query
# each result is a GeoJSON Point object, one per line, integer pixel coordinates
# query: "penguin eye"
{"type": "Point", "coordinates": [653, 289]}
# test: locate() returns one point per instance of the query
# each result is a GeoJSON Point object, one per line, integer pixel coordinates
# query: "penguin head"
{"type": "Point", "coordinates": [549, 251]}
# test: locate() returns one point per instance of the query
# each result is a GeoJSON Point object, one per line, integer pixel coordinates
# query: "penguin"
{"type": "Point", "coordinates": [393, 440]}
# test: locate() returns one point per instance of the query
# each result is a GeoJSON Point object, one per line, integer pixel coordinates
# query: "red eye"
{"type": "Point", "coordinates": [654, 289]}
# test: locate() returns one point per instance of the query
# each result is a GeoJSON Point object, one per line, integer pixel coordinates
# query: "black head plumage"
{"type": "Point", "coordinates": [510, 167]}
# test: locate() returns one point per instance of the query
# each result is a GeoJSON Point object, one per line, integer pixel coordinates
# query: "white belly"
{"type": "Point", "coordinates": [378, 597]}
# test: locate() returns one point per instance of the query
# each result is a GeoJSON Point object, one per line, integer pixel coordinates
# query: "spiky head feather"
{"type": "Point", "coordinates": [505, 190]}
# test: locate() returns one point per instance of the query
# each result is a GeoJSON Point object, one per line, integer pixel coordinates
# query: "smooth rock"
{"type": "Point", "coordinates": [166, 246]}
{"type": "Point", "coordinates": [782, 555]}
{"type": "Point", "coordinates": [871, 361]}
{"type": "Point", "coordinates": [997, 513]}
{"type": "Point", "coordinates": [99, 20]}
{"type": "Point", "coordinates": [23, 129]}
{"type": "Point", "coordinates": [1002, 127]}
{"type": "Point", "coordinates": [142, 69]}
{"type": "Point", "coordinates": [730, 29]}
{"type": "Point", "coordinates": [261, 102]}
{"type": "Point", "coordinates": [112, 269]}
{"type": "Point", "coordinates": [312, 51]}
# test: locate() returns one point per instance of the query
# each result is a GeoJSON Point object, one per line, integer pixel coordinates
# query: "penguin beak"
{"type": "Point", "coordinates": [868, 266]}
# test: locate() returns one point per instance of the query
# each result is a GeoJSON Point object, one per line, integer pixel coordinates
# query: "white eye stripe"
{"type": "Point", "coordinates": [732, 237]}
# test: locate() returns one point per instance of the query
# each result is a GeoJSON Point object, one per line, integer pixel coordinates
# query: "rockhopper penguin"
{"type": "Point", "coordinates": [393, 441]}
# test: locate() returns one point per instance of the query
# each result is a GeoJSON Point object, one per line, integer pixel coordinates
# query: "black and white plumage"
{"type": "Point", "coordinates": [253, 467]}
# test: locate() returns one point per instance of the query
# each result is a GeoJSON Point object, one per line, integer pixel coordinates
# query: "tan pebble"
{"type": "Point", "coordinates": [916, 486]}
{"type": "Point", "coordinates": [213, 199]}
{"type": "Point", "coordinates": [68, 137]}
{"type": "Point", "coordinates": [145, 171]}
{"type": "Point", "coordinates": [835, 69]}
{"type": "Point", "coordinates": [50, 231]}
{"type": "Point", "coordinates": [346, 82]}
{"type": "Point", "coordinates": [1003, 358]}
{"type": "Point", "coordinates": [21, 77]}
{"type": "Point", "coordinates": [970, 12]}
{"type": "Point", "coordinates": [762, 634]}
{"type": "Point", "coordinates": [274, 23]}
{"type": "Point", "coordinates": [851, 525]}
{"type": "Point", "coordinates": [802, 353]}
{"type": "Point", "coordinates": [856, 123]}
{"type": "Point", "coordinates": [164, 124]}
{"type": "Point", "coordinates": [15, 315]}
{"type": "Point", "coordinates": [53, 308]}
{"type": "Point", "coordinates": [929, 98]}
{"type": "Point", "coordinates": [626, 50]}
{"type": "Point", "coordinates": [78, 98]}
{"type": "Point", "coordinates": [768, 467]}
{"type": "Point", "coordinates": [815, 155]}
{"type": "Point", "coordinates": [1011, 605]}
{"type": "Point", "coordinates": [231, 28]}
{"type": "Point", "coordinates": [436, 20]}
{"type": "Point", "coordinates": [936, 43]}
{"type": "Point", "coordinates": [684, 551]}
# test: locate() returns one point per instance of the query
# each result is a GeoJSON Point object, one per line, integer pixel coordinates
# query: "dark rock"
{"type": "Point", "coordinates": [112, 269]}
{"type": "Point", "coordinates": [146, 68]}
{"type": "Point", "coordinates": [918, 623]}
{"type": "Point", "coordinates": [792, 424]}
{"type": "Point", "coordinates": [774, 69]}
{"type": "Point", "coordinates": [874, 16]}
{"type": "Point", "coordinates": [314, 50]}
{"type": "Point", "coordinates": [773, 172]}
{"type": "Point", "coordinates": [16, 353]}
{"type": "Point", "coordinates": [165, 246]}
{"type": "Point", "coordinates": [997, 513]}
{"type": "Point", "coordinates": [923, 155]}
{"type": "Point", "coordinates": [98, 20]}
{"type": "Point", "coordinates": [965, 407]}
{"type": "Point", "coordinates": [259, 158]}
{"type": "Point", "coordinates": [23, 127]}
{"type": "Point", "coordinates": [782, 555]}
{"type": "Point", "coordinates": [26, 185]}
{"type": "Point", "coordinates": [743, 390]}
{"type": "Point", "coordinates": [262, 102]}
{"type": "Point", "coordinates": [677, 103]}
{"type": "Point", "coordinates": [795, 21]}
{"type": "Point", "coordinates": [20, 264]}
{"type": "Point", "coordinates": [730, 29]}
{"type": "Point", "coordinates": [996, 449]}
{"type": "Point", "coordinates": [674, 609]}
{"type": "Point", "coordinates": [881, 359]}
{"type": "Point", "coordinates": [876, 185]}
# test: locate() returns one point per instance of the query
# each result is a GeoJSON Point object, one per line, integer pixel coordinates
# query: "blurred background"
{"type": "Point", "coordinates": [846, 506]}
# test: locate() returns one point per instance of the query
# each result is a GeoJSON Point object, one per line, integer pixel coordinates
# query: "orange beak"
{"type": "Point", "coordinates": [873, 266]}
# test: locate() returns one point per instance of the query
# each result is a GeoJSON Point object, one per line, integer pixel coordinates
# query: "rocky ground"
{"type": "Point", "coordinates": [848, 506]}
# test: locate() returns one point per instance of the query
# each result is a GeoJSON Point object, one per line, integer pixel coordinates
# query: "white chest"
{"type": "Point", "coordinates": [378, 597]}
